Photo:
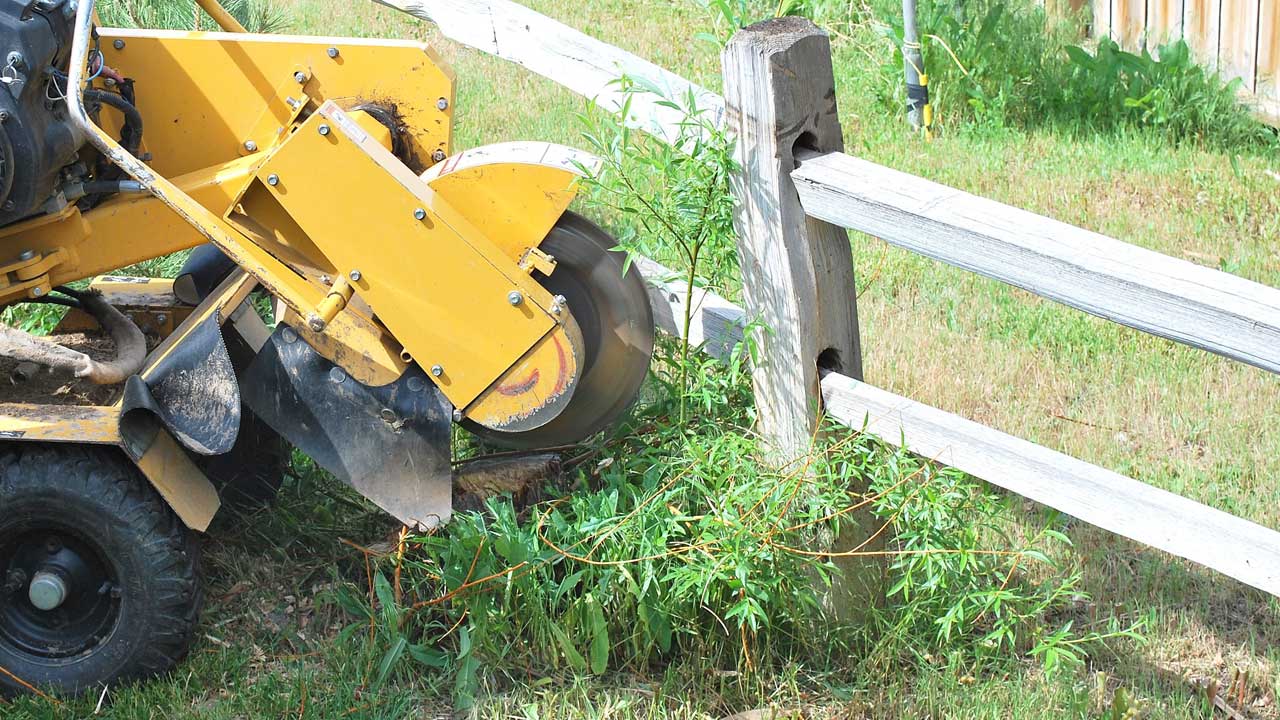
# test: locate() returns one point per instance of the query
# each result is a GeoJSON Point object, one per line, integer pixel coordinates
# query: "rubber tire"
{"type": "Point", "coordinates": [99, 493]}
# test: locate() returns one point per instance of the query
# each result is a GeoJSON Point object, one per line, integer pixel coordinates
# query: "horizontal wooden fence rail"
{"type": "Point", "coordinates": [571, 58]}
{"type": "Point", "coordinates": [1241, 549]}
{"type": "Point", "coordinates": [1150, 291]}
{"type": "Point", "coordinates": [1118, 281]}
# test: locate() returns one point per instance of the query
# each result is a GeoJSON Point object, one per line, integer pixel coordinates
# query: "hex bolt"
{"type": "Point", "coordinates": [316, 323]}
{"type": "Point", "coordinates": [356, 275]}
{"type": "Point", "coordinates": [457, 416]}
{"type": "Point", "coordinates": [300, 76]}
{"type": "Point", "coordinates": [514, 297]}
{"type": "Point", "coordinates": [419, 214]}
{"type": "Point", "coordinates": [273, 179]}
{"type": "Point", "coordinates": [443, 103]}
{"type": "Point", "coordinates": [16, 580]}
{"type": "Point", "coordinates": [333, 52]}
{"type": "Point", "coordinates": [118, 44]}
{"type": "Point", "coordinates": [324, 129]}
{"type": "Point", "coordinates": [161, 318]}
{"type": "Point", "coordinates": [251, 146]}
{"type": "Point", "coordinates": [27, 255]}
{"type": "Point", "coordinates": [337, 376]}
{"type": "Point", "coordinates": [438, 156]}
{"type": "Point", "coordinates": [437, 370]}
{"type": "Point", "coordinates": [289, 335]}
{"type": "Point", "coordinates": [37, 291]}
{"type": "Point", "coordinates": [4, 116]}
{"type": "Point", "coordinates": [47, 591]}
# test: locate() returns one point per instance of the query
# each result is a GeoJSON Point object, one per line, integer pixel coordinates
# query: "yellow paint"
{"type": "Point", "coordinates": [108, 236]}
{"type": "Point", "coordinates": [337, 299]}
{"type": "Point", "coordinates": [229, 294]}
{"type": "Point", "coordinates": [357, 344]}
{"type": "Point", "coordinates": [59, 423]}
{"type": "Point", "coordinates": [224, 112]}
{"type": "Point", "coordinates": [201, 95]}
{"type": "Point", "coordinates": [547, 374]}
{"type": "Point", "coordinates": [512, 193]}
{"type": "Point", "coordinates": [441, 288]}
{"type": "Point", "coordinates": [183, 485]}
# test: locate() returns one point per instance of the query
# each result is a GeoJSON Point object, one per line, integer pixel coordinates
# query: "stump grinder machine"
{"type": "Point", "coordinates": [357, 287]}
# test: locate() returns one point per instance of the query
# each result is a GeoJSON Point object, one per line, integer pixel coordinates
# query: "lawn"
{"type": "Point", "coordinates": [1180, 419]}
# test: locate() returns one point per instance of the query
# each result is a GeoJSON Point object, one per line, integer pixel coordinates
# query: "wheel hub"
{"type": "Point", "coordinates": [58, 597]}
{"type": "Point", "coordinates": [47, 591]}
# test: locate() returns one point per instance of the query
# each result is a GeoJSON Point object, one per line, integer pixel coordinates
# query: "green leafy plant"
{"type": "Point", "coordinates": [1167, 91]}
{"type": "Point", "coordinates": [673, 198]}
{"type": "Point", "coordinates": [961, 580]}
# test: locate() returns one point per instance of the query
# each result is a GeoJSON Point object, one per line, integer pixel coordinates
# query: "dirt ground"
{"type": "Point", "coordinates": [30, 383]}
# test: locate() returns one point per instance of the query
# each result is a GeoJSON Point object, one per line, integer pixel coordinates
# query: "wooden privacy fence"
{"type": "Point", "coordinates": [1238, 38]}
{"type": "Point", "coordinates": [796, 193]}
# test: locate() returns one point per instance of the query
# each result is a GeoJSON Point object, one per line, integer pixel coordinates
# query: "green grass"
{"type": "Point", "coordinates": [1180, 419]}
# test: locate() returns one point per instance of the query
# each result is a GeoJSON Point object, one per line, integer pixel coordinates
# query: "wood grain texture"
{"type": "Point", "coordinates": [1268, 85]}
{"type": "Point", "coordinates": [1235, 547]}
{"type": "Point", "coordinates": [571, 58]}
{"type": "Point", "coordinates": [1238, 52]}
{"type": "Point", "coordinates": [1101, 18]}
{"type": "Point", "coordinates": [1155, 293]}
{"type": "Point", "coordinates": [1200, 23]}
{"type": "Point", "coordinates": [1128, 20]}
{"type": "Point", "coordinates": [797, 273]}
{"type": "Point", "coordinates": [1164, 22]}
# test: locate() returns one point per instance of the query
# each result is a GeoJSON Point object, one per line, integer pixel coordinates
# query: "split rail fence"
{"type": "Point", "coordinates": [796, 193]}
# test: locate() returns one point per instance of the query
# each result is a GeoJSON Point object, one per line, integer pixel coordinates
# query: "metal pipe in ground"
{"type": "Point", "coordinates": [913, 65]}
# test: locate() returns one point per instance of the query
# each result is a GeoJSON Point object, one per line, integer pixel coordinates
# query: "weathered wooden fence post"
{"type": "Point", "coordinates": [797, 272]}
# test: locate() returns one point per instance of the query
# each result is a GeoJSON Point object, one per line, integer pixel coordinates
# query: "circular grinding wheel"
{"type": "Point", "coordinates": [612, 309]}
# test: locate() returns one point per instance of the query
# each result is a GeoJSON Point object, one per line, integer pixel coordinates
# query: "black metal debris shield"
{"type": "Point", "coordinates": [390, 443]}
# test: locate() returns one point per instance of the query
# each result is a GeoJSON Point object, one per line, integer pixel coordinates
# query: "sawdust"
{"type": "Point", "coordinates": [28, 383]}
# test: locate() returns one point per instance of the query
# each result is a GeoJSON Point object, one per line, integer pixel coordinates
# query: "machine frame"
{"type": "Point", "coordinates": [247, 123]}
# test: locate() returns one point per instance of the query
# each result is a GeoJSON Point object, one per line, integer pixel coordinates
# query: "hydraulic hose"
{"type": "Point", "coordinates": [131, 134]}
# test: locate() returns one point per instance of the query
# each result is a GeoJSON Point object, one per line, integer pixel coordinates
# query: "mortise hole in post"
{"type": "Point", "coordinates": [829, 359]}
{"type": "Point", "coordinates": [804, 147]}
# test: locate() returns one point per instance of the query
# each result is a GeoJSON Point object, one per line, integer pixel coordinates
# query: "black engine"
{"type": "Point", "coordinates": [37, 141]}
